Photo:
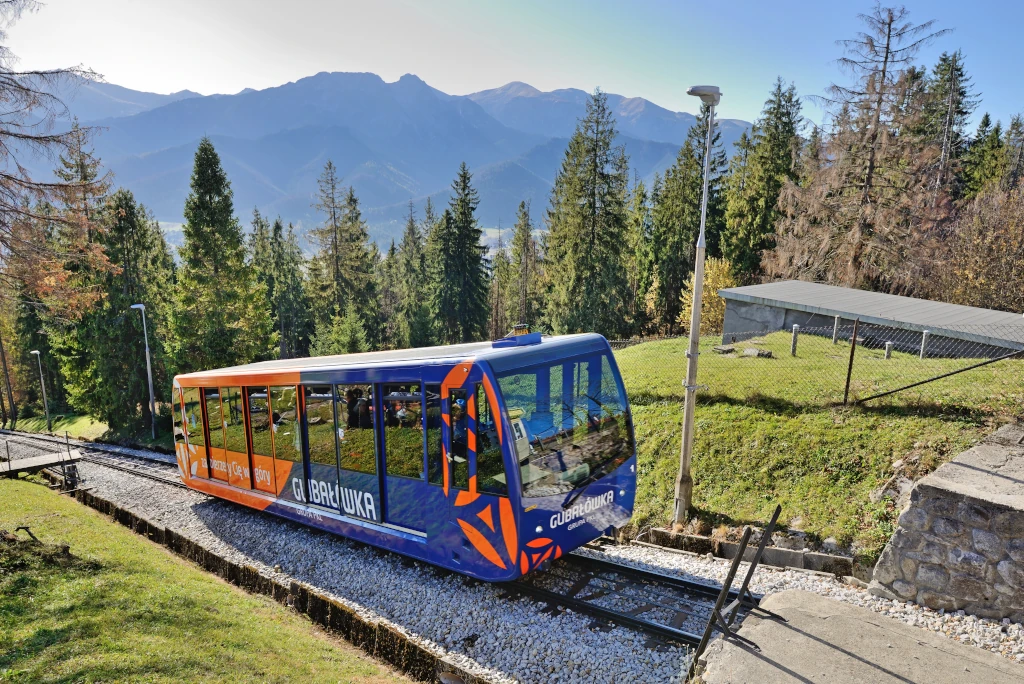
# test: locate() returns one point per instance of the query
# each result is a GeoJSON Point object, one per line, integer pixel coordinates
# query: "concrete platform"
{"type": "Point", "coordinates": [37, 463]}
{"type": "Point", "coordinates": [828, 641]}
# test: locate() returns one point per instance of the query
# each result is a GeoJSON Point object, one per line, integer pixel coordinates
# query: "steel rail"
{"type": "Point", "coordinates": [141, 472]}
{"type": "Point", "coordinates": [583, 607]}
{"type": "Point", "coordinates": [689, 586]}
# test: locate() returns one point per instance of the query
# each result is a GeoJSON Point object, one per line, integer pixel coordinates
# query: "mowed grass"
{"type": "Point", "coordinates": [773, 431]}
{"type": "Point", "coordinates": [77, 427]}
{"type": "Point", "coordinates": [124, 609]}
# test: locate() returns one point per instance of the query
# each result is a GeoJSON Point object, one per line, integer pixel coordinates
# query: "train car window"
{"type": "Point", "coordinates": [261, 438]}
{"type": "Point", "coordinates": [215, 430]}
{"type": "Point", "coordinates": [234, 419]}
{"type": "Point", "coordinates": [460, 438]}
{"type": "Point", "coordinates": [403, 430]}
{"type": "Point", "coordinates": [323, 452]}
{"type": "Point", "coordinates": [490, 467]}
{"type": "Point", "coordinates": [569, 422]}
{"type": "Point", "coordinates": [259, 422]}
{"type": "Point", "coordinates": [356, 435]}
{"type": "Point", "coordinates": [215, 420]}
{"type": "Point", "coordinates": [320, 425]}
{"type": "Point", "coordinates": [435, 475]}
{"type": "Point", "coordinates": [194, 417]}
{"type": "Point", "coordinates": [283, 414]}
{"type": "Point", "coordinates": [179, 432]}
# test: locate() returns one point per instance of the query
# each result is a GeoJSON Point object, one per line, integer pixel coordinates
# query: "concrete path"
{"type": "Point", "coordinates": [828, 641]}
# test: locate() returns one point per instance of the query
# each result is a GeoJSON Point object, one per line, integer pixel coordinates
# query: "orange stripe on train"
{"type": "Point", "coordinates": [481, 544]}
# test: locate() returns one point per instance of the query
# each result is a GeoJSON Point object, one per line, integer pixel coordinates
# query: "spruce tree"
{"type": "Point", "coordinates": [103, 356]}
{"type": "Point", "coordinates": [290, 301]}
{"type": "Point", "coordinates": [766, 163]}
{"type": "Point", "coordinates": [220, 316]}
{"type": "Point", "coordinates": [393, 325]}
{"type": "Point", "coordinates": [986, 160]}
{"type": "Point", "coordinates": [949, 103]}
{"type": "Point", "coordinates": [587, 226]}
{"type": "Point", "coordinates": [640, 256]}
{"type": "Point", "coordinates": [342, 335]}
{"type": "Point", "coordinates": [412, 270]}
{"type": "Point", "coordinates": [676, 217]}
{"type": "Point", "coordinates": [1015, 153]}
{"type": "Point", "coordinates": [501, 290]}
{"type": "Point", "coordinates": [342, 270]}
{"type": "Point", "coordinates": [525, 305]}
{"type": "Point", "coordinates": [457, 268]}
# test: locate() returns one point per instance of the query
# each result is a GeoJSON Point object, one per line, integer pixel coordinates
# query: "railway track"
{"type": "Point", "coordinates": [670, 610]}
{"type": "Point", "coordinates": [151, 468]}
{"type": "Point", "coordinates": [666, 608]}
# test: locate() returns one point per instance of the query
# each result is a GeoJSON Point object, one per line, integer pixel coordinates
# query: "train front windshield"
{"type": "Point", "coordinates": [569, 423]}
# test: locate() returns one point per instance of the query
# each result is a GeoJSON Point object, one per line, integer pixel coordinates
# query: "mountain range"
{"type": "Point", "coordinates": [394, 142]}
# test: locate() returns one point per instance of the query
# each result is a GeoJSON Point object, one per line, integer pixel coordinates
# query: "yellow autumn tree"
{"type": "Point", "coordinates": [718, 274]}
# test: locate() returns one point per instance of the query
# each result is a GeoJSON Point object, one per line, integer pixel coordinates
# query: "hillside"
{"type": "Point", "coordinates": [392, 141]}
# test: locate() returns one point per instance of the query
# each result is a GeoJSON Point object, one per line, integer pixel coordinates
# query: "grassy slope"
{"type": "Point", "coordinates": [819, 461]}
{"type": "Point", "coordinates": [130, 611]}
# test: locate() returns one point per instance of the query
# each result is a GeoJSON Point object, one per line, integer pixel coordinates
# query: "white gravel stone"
{"type": "Point", "coordinates": [499, 639]}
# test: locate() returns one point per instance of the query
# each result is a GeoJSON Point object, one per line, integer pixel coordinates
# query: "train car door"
{"type": "Point", "coordinates": [410, 425]}
{"type": "Point", "coordinates": [475, 473]}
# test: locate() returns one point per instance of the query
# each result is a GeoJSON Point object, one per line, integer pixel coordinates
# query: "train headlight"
{"type": "Point", "coordinates": [540, 529]}
{"type": "Point", "coordinates": [622, 492]}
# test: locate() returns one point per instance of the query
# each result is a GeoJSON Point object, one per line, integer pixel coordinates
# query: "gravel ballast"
{"type": "Point", "coordinates": [495, 638]}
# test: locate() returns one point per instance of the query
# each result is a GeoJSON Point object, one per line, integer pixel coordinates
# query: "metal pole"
{"type": "Point", "coordinates": [835, 331]}
{"type": "Point", "coordinates": [46, 406]}
{"type": "Point", "coordinates": [796, 334]}
{"type": "Point", "coordinates": [684, 483]}
{"type": "Point", "coordinates": [888, 350]}
{"type": "Point", "coordinates": [849, 368]}
{"type": "Point", "coordinates": [149, 373]}
{"type": "Point", "coordinates": [924, 343]}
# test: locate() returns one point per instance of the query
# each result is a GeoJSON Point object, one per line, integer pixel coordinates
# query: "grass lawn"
{"type": "Point", "coordinates": [120, 608]}
{"type": "Point", "coordinates": [768, 431]}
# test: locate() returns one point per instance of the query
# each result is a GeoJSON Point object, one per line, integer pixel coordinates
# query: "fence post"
{"type": "Point", "coordinates": [835, 331]}
{"type": "Point", "coordinates": [888, 350]}
{"type": "Point", "coordinates": [849, 367]}
{"type": "Point", "coordinates": [796, 333]}
{"type": "Point", "coordinates": [924, 343]}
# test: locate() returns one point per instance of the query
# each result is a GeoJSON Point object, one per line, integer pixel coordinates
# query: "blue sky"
{"type": "Point", "coordinates": [648, 49]}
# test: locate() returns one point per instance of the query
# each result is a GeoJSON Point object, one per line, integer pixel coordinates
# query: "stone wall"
{"type": "Point", "coordinates": [960, 541]}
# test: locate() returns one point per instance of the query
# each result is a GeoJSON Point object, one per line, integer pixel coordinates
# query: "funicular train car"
{"type": "Point", "coordinates": [491, 459]}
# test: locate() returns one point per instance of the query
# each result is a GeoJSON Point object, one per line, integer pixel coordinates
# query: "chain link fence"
{"type": "Point", "coordinates": [848, 363]}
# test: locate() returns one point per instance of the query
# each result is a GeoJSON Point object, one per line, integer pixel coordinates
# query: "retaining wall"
{"type": "Point", "coordinates": [376, 638]}
{"type": "Point", "coordinates": [960, 541]}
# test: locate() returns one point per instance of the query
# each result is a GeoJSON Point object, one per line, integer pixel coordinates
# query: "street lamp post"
{"type": "Point", "coordinates": [149, 372]}
{"type": "Point", "coordinates": [711, 96]}
{"type": "Point", "coordinates": [46, 406]}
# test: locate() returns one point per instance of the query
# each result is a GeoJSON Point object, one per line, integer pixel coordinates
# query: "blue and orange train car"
{"type": "Point", "coordinates": [491, 459]}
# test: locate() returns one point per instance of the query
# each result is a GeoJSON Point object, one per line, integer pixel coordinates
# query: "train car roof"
{"type": "Point", "coordinates": [497, 351]}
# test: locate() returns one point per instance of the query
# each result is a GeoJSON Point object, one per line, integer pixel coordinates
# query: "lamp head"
{"type": "Point", "coordinates": [708, 94]}
{"type": "Point", "coordinates": [34, 351]}
{"type": "Point", "coordinates": [139, 306]}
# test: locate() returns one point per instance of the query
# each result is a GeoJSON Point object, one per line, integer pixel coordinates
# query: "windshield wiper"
{"type": "Point", "coordinates": [594, 475]}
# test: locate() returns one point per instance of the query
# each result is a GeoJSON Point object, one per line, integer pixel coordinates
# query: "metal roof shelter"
{"type": "Point", "coordinates": [779, 305]}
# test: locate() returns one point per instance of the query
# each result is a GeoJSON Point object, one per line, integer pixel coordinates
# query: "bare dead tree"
{"type": "Point", "coordinates": [38, 244]}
